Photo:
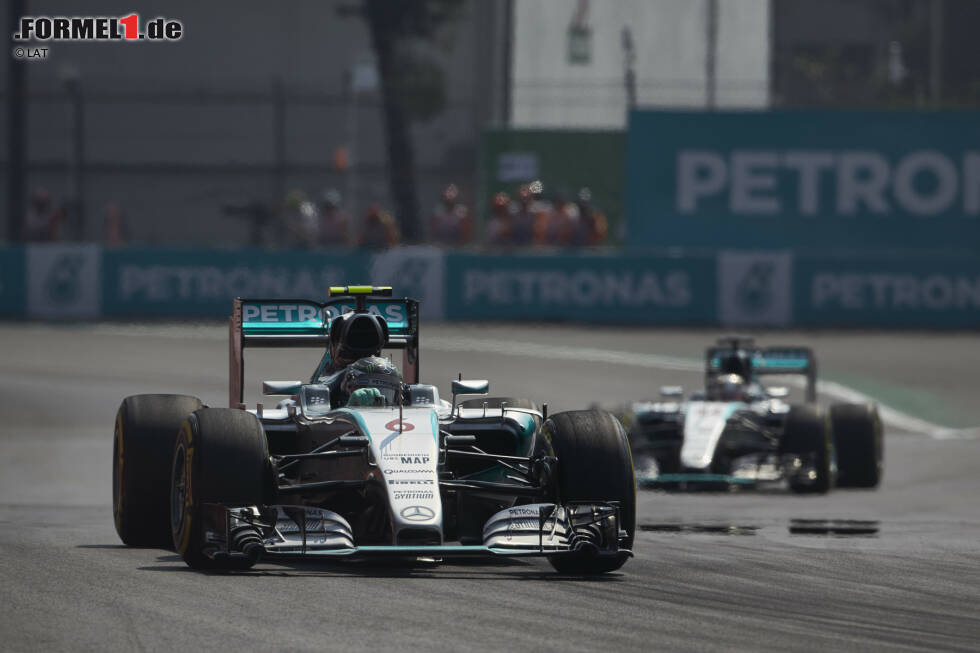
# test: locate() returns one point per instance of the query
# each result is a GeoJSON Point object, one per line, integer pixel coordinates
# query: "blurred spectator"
{"type": "Point", "coordinates": [500, 227]}
{"type": "Point", "coordinates": [261, 218]}
{"type": "Point", "coordinates": [451, 223]}
{"type": "Point", "coordinates": [555, 227]}
{"type": "Point", "coordinates": [592, 227]}
{"type": "Point", "coordinates": [38, 214]}
{"type": "Point", "coordinates": [333, 220]}
{"type": "Point", "coordinates": [379, 231]}
{"type": "Point", "coordinates": [531, 210]}
{"type": "Point", "coordinates": [115, 233]}
{"type": "Point", "coordinates": [299, 220]}
{"type": "Point", "coordinates": [43, 221]}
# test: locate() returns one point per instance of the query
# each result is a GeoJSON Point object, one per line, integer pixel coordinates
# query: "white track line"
{"type": "Point", "coordinates": [891, 416]}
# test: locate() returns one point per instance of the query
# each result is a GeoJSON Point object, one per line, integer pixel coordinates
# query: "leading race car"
{"type": "Point", "coordinates": [738, 432]}
{"type": "Point", "coordinates": [357, 463]}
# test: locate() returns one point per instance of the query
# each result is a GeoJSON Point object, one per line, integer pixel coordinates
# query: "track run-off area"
{"type": "Point", "coordinates": [896, 568]}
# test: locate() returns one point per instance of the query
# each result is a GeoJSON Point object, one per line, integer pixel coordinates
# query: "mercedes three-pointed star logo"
{"type": "Point", "coordinates": [418, 513]}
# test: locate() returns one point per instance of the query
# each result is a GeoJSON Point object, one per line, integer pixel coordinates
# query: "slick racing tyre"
{"type": "Point", "coordinates": [594, 463]}
{"type": "Point", "coordinates": [145, 432]}
{"type": "Point", "coordinates": [859, 441]}
{"type": "Point", "coordinates": [496, 402]}
{"type": "Point", "coordinates": [807, 435]}
{"type": "Point", "coordinates": [221, 456]}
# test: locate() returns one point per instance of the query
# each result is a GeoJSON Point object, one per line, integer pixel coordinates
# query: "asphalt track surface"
{"type": "Point", "coordinates": [895, 569]}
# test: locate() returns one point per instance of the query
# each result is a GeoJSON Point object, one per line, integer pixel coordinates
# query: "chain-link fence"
{"type": "Point", "coordinates": [191, 167]}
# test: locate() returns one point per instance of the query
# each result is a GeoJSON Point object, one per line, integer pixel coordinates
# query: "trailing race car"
{"type": "Point", "coordinates": [357, 463]}
{"type": "Point", "coordinates": [738, 432]}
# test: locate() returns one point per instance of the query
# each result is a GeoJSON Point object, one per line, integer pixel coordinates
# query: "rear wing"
{"type": "Point", "coordinates": [306, 323]}
{"type": "Point", "coordinates": [770, 360]}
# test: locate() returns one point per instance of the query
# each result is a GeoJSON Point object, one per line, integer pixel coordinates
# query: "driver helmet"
{"type": "Point", "coordinates": [727, 387]}
{"type": "Point", "coordinates": [356, 335]}
{"type": "Point", "coordinates": [738, 362]}
{"type": "Point", "coordinates": [373, 374]}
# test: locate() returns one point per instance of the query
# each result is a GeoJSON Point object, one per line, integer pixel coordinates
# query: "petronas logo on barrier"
{"type": "Point", "coordinates": [61, 283]}
{"type": "Point", "coordinates": [411, 276]}
{"type": "Point", "coordinates": [755, 288]}
{"type": "Point", "coordinates": [64, 281]}
{"type": "Point", "coordinates": [418, 272]}
{"type": "Point", "coordinates": [754, 291]}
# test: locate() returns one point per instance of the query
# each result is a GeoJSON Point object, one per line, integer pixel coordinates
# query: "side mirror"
{"type": "Point", "coordinates": [671, 391]}
{"type": "Point", "coordinates": [778, 391]}
{"type": "Point", "coordinates": [471, 387]}
{"type": "Point", "coordinates": [281, 387]}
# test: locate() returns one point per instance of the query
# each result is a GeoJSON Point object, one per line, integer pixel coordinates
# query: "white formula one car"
{"type": "Point", "coordinates": [738, 432]}
{"type": "Point", "coordinates": [358, 463]}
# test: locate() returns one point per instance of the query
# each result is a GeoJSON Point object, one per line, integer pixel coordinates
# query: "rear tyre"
{"type": "Point", "coordinates": [143, 441]}
{"type": "Point", "coordinates": [496, 402]}
{"type": "Point", "coordinates": [594, 463]}
{"type": "Point", "coordinates": [859, 440]}
{"type": "Point", "coordinates": [807, 435]}
{"type": "Point", "coordinates": [221, 456]}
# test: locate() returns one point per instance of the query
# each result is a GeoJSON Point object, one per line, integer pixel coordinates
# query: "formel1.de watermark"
{"type": "Point", "coordinates": [35, 33]}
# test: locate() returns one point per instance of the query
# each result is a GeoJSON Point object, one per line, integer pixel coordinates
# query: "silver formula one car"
{"type": "Point", "coordinates": [738, 432]}
{"type": "Point", "coordinates": [385, 468]}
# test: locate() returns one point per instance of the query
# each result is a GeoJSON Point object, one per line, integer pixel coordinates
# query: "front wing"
{"type": "Point", "coordinates": [543, 529]}
{"type": "Point", "coordinates": [751, 471]}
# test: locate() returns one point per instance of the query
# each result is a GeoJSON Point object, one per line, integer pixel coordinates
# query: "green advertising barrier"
{"type": "Point", "coordinates": [810, 181]}
{"type": "Point", "coordinates": [581, 288]}
{"type": "Point", "coordinates": [13, 282]}
{"type": "Point", "coordinates": [907, 292]}
{"type": "Point", "coordinates": [564, 160]}
{"type": "Point", "coordinates": [173, 282]}
{"type": "Point", "coordinates": [738, 288]}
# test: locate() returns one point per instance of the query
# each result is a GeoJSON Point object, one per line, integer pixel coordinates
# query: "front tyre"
{"type": "Point", "coordinates": [222, 457]}
{"type": "Point", "coordinates": [860, 443]}
{"type": "Point", "coordinates": [594, 464]}
{"type": "Point", "coordinates": [143, 440]}
{"type": "Point", "coordinates": [807, 436]}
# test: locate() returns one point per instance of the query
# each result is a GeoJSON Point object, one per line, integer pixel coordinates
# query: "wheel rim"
{"type": "Point", "coordinates": [117, 457]}
{"type": "Point", "coordinates": [178, 488]}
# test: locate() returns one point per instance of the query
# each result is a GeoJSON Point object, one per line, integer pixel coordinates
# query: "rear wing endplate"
{"type": "Point", "coordinates": [306, 323]}
{"type": "Point", "coordinates": [769, 361]}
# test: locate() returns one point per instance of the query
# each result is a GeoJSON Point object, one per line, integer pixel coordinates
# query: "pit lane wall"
{"type": "Point", "coordinates": [772, 288]}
